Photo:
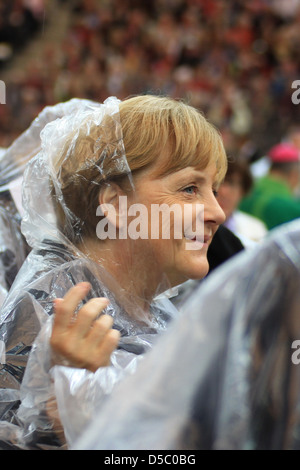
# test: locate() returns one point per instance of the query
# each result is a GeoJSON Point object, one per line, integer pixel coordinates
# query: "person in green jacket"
{"type": "Point", "coordinates": [273, 198]}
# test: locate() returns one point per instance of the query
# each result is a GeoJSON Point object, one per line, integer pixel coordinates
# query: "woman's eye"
{"type": "Point", "coordinates": [215, 193]}
{"type": "Point", "coordinates": [190, 189]}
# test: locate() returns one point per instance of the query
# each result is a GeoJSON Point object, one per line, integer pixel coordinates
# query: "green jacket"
{"type": "Point", "coordinates": [271, 201]}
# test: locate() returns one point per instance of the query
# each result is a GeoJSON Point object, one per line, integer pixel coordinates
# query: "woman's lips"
{"type": "Point", "coordinates": [203, 240]}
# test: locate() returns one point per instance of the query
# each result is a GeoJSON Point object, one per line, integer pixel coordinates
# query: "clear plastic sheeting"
{"type": "Point", "coordinates": [13, 246]}
{"type": "Point", "coordinates": [74, 394]}
{"type": "Point", "coordinates": [226, 374]}
{"type": "Point", "coordinates": [82, 149]}
{"type": "Point", "coordinates": [71, 150]}
{"type": "Point", "coordinates": [14, 159]}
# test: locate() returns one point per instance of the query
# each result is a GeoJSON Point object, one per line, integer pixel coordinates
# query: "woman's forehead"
{"type": "Point", "coordinates": [187, 174]}
{"type": "Point", "coordinates": [197, 172]}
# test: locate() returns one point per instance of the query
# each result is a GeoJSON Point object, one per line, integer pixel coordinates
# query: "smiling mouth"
{"type": "Point", "coordinates": [204, 240]}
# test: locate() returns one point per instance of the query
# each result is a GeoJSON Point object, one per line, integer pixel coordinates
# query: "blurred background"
{"type": "Point", "coordinates": [235, 60]}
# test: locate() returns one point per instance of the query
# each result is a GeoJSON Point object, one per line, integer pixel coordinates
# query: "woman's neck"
{"type": "Point", "coordinates": [135, 272]}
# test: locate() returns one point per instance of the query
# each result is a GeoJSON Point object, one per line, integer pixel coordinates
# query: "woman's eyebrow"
{"type": "Point", "coordinates": [196, 176]}
{"type": "Point", "coordinates": [190, 176]}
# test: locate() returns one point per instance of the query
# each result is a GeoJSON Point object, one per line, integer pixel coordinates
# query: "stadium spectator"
{"type": "Point", "coordinates": [272, 199]}
{"type": "Point", "coordinates": [234, 60]}
{"type": "Point", "coordinates": [236, 185]}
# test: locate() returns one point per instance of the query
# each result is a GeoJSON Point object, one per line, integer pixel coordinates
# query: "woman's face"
{"type": "Point", "coordinates": [192, 192]}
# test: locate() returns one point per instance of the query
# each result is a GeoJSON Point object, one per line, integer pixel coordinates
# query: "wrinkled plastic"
{"type": "Point", "coordinates": [226, 374]}
{"type": "Point", "coordinates": [13, 247]}
{"type": "Point", "coordinates": [69, 147]}
{"type": "Point", "coordinates": [79, 392]}
{"type": "Point", "coordinates": [13, 160]}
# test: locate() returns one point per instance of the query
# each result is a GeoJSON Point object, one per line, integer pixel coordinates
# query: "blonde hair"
{"type": "Point", "coordinates": [152, 124]}
{"type": "Point", "coordinates": [154, 129]}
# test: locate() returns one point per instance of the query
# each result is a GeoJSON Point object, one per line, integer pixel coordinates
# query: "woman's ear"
{"type": "Point", "coordinates": [113, 204]}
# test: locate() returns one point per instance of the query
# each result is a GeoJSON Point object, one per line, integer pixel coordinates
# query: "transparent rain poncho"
{"type": "Point", "coordinates": [85, 140]}
{"type": "Point", "coordinates": [13, 246]}
{"type": "Point", "coordinates": [226, 375]}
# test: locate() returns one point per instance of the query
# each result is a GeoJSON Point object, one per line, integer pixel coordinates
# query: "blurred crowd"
{"type": "Point", "coordinates": [232, 59]}
{"type": "Point", "coordinates": [19, 21]}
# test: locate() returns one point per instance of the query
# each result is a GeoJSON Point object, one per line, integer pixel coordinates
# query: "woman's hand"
{"type": "Point", "coordinates": [82, 340]}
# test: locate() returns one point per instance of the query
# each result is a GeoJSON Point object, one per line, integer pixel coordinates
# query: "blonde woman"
{"type": "Point", "coordinates": [89, 197]}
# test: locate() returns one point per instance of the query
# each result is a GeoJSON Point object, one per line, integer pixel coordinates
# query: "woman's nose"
{"type": "Point", "coordinates": [213, 212]}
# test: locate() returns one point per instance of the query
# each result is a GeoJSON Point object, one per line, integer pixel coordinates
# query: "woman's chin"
{"type": "Point", "coordinates": [195, 274]}
{"type": "Point", "coordinates": [197, 268]}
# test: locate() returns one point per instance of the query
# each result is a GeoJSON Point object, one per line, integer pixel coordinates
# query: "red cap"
{"type": "Point", "coordinates": [284, 153]}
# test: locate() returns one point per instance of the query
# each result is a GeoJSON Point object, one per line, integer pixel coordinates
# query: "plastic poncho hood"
{"type": "Point", "coordinates": [79, 150]}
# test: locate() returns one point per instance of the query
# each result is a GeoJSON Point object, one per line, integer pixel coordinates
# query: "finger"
{"type": "Point", "coordinates": [65, 308]}
{"type": "Point", "coordinates": [88, 314]}
{"type": "Point", "coordinates": [102, 354]}
{"type": "Point", "coordinates": [100, 328]}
